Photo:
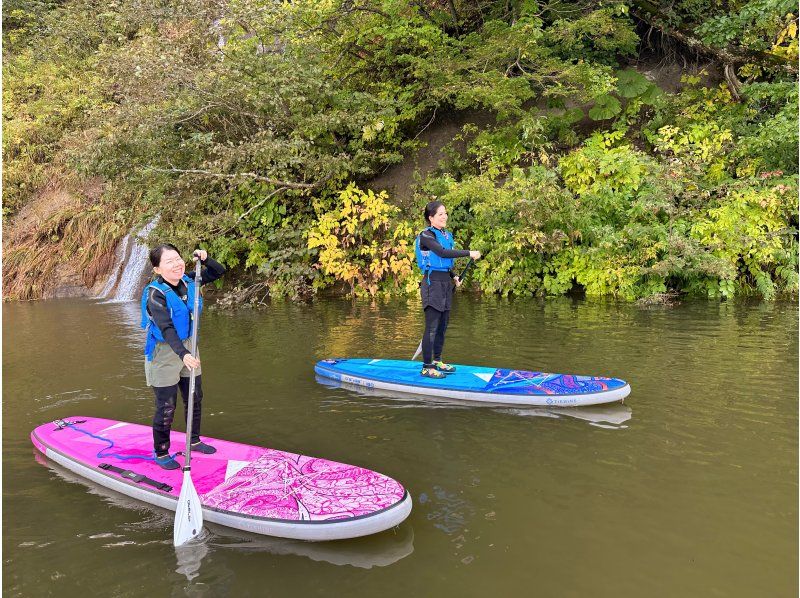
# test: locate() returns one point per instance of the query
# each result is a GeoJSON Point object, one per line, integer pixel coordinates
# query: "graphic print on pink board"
{"type": "Point", "coordinates": [239, 478]}
{"type": "Point", "coordinates": [302, 488]}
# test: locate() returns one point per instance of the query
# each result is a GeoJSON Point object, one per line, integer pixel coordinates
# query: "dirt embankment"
{"type": "Point", "coordinates": [43, 244]}
{"type": "Point", "coordinates": [402, 180]}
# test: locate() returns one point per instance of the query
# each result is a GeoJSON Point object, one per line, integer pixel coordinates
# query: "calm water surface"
{"type": "Point", "coordinates": [688, 489]}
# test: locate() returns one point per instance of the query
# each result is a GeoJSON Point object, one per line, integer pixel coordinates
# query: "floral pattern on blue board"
{"type": "Point", "coordinates": [520, 382]}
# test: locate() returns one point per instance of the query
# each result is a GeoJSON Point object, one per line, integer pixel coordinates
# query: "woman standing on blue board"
{"type": "Point", "coordinates": [167, 316]}
{"type": "Point", "coordinates": [435, 257]}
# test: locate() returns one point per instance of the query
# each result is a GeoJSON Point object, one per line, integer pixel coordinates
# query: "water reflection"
{"type": "Point", "coordinates": [190, 556]}
{"type": "Point", "coordinates": [448, 511]}
{"type": "Point", "coordinates": [611, 415]}
{"type": "Point", "coordinates": [128, 314]}
{"type": "Point", "coordinates": [453, 514]}
{"type": "Point", "coordinates": [400, 330]}
{"type": "Point", "coordinates": [378, 550]}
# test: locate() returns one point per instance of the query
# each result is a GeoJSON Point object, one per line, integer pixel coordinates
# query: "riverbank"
{"type": "Point", "coordinates": [583, 163]}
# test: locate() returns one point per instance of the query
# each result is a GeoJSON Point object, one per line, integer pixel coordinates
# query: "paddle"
{"type": "Point", "coordinates": [189, 514]}
{"type": "Point", "coordinates": [461, 278]}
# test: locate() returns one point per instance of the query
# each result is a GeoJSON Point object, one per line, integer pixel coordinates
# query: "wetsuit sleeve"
{"type": "Point", "coordinates": [158, 310]}
{"type": "Point", "coordinates": [427, 241]}
{"type": "Point", "coordinates": [212, 271]}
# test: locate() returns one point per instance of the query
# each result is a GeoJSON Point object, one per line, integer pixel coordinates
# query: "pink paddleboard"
{"type": "Point", "coordinates": [251, 488]}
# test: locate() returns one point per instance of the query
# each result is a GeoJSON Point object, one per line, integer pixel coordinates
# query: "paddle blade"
{"type": "Point", "coordinates": [189, 514]}
{"type": "Point", "coordinates": [418, 351]}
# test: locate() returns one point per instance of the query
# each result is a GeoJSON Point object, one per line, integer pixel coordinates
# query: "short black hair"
{"type": "Point", "coordinates": [158, 250]}
{"type": "Point", "coordinates": [431, 209]}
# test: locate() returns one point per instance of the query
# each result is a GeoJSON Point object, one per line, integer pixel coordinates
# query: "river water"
{"type": "Point", "coordinates": [688, 488]}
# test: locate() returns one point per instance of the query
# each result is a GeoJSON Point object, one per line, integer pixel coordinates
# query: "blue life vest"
{"type": "Point", "coordinates": [427, 260]}
{"type": "Point", "coordinates": [179, 310]}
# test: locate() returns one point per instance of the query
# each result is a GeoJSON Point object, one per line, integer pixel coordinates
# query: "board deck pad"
{"type": "Point", "coordinates": [477, 383]}
{"type": "Point", "coordinates": [266, 490]}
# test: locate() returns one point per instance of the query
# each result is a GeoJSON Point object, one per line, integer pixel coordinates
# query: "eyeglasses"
{"type": "Point", "coordinates": [172, 262]}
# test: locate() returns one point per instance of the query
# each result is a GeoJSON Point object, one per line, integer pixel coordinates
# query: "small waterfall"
{"type": "Point", "coordinates": [120, 257]}
{"type": "Point", "coordinates": [131, 266]}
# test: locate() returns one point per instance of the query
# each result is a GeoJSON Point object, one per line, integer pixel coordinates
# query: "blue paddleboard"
{"type": "Point", "coordinates": [476, 383]}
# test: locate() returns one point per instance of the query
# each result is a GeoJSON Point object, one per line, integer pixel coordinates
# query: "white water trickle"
{"type": "Point", "coordinates": [119, 261]}
{"type": "Point", "coordinates": [129, 282]}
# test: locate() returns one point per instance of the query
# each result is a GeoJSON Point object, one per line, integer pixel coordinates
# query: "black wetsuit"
{"type": "Point", "coordinates": [167, 396]}
{"type": "Point", "coordinates": [436, 289]}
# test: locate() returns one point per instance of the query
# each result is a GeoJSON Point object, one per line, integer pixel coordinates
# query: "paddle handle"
{"type": "Point", "coordinates": [195, 328]}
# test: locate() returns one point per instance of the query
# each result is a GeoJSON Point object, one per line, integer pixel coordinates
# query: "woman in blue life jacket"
{"type": "Point", "coordinates": [167, 304]}
{"type": "Point", "coordinates": [435, 257]}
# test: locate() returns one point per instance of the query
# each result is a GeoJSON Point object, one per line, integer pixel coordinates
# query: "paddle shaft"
{"type": "Point", "coordinates": [461, 279]}
{"type": "Point", "coordinates": [466, 269]}
{"type": "Point", "coordinates": [195, 328]}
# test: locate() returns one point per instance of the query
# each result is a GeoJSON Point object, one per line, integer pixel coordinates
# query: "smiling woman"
{"type": "Point", "coordinates": [435, 257]}
{"type": "Point", "coordinates": [166, 315]}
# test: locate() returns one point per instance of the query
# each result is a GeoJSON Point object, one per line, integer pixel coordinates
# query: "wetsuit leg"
{"type": "Point", "coordinates": [432, 318]}
{"type": "Point", "coordinates": [438, 341]}
{"type": "Point", "coordinates": [198, 400]}
{"type": "Point", "coordinates": [166, 398]}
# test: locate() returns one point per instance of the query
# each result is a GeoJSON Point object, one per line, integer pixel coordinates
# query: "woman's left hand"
{"type": "Point", "coordinates": [201, 253]}
{"type": "Point", "coordinates": [457, 280]}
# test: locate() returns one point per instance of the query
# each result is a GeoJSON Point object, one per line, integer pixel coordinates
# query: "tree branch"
{"type": "Point", "coordinates": [248, 212]}
{"type": "Point", "coordinates": [428, 125]}
{"type": "Point", "coordinates": [650, 13]}
{"type": "Point", "coordinates": [250, 175]}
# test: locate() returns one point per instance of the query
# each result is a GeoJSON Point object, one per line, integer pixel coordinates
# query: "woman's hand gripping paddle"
{"type": "Point", "coordinates": [189, 514]}
{"type": "Point", "coordinates": [461, 278]}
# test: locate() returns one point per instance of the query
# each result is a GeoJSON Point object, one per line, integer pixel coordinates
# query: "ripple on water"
{"type": "Point", "coordinates": [61, 399]}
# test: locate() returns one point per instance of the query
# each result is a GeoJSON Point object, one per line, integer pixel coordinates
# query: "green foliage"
{"type": "Point", "coordinates": [605, 107]}
{"type": "Point", "coordinates": [719, 137]}
{"type": "Point", "coordinates": [607, 170]}
{"type": "Point", "coordinates": [753, 25]}
{"type": "Point", "coordinates": [288, 266]}
{"type": "Point", "coordinates": [630, 86]}
{"type": "Point", "coordinates": [361, 245]}
{"type": "Point", "coordinates": [747, 229]}
{"type": "Point", "coordinates": [497, 150]}
{"type": "Point", "coordinates": [253, 130]}
{"type": "Point", "coordinates": [44, 102]}
{"type": "Point", "coordinates": [518, 225]}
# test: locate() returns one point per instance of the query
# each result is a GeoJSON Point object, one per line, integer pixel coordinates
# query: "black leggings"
{"type": "Point", "coordinates": [433, 339]}
{"type": "Point", "coordinates": [166, 400]}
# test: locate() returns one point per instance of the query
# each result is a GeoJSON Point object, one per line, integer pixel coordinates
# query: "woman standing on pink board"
{"type": "Point", "coordinates": [167, 316]}
{"type": "Point", "coordinates": [436, 258]}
